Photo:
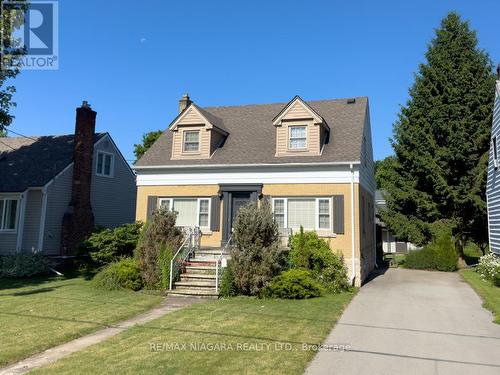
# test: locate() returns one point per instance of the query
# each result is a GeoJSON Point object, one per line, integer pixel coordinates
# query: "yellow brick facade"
{"type": "Point", "coordinates": [363, 239]}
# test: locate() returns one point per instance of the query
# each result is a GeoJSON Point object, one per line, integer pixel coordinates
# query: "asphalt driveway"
{"type": "Point", "coordinates": [413, 322]}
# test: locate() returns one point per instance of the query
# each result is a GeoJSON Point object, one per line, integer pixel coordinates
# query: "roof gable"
{"type": "Point", "coordinates": [194, 115]}
{"type": "Point", "coordinates": [298, 110]}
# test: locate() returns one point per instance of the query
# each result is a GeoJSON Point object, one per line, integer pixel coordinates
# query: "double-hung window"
{"type": "Point", "coordinates": [191, 212]}
{"type": "Point", "coordinates": [191, 141]}
{"type": "Point", "coordinates": [8, 214]}
{"type": "Point", "coordinates": [104, 165]}
{"type": "Point", "coordinates": [310, 213]}
{"type": "Point", "coordinates": [297, 137]}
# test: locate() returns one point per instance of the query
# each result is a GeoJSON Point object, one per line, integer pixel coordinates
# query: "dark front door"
{"type": "Point", "coordinates": [238, 200]}
{"type": "Point", "coordinates": [235, 196]}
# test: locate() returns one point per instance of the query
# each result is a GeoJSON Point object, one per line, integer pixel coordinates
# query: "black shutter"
{"type": "Point", "coordinates": [338, 216]}
{"type": "Point", "coordinates": [215, 214]}
{"type": "Point", "coordinates": [152, 205]}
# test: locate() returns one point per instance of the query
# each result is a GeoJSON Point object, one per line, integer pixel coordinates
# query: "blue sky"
{"type": "Point", "coordinates": [132, 60]}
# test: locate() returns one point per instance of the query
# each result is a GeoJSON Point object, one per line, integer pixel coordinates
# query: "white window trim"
{"type": "Point", "coordinates": [330, 214]}
{"type": "Point", "coordinates": [111, 167]}
{"type": "Point", "coordinates": [317, 199]}
{"type": "Point", "coordinates": [290, 137]}
{"type": "Point", "coordinates": [16, 222]}
{"type": "Point", "coordinates": [184, 151]}
{"type": "Point", "coordinates": [285, 210]}
{"type": "Point", "coordinates": [198, 205]}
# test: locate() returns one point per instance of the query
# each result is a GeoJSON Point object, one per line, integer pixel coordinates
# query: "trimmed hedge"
{"type": "Point", "coordinates": [24, 265]}
{"type": "Point", "coordinates": [294, 284]}
{"type": "Point", "coordinates": [439, 255]}
{"type": "Point", "coordinates": [123, 274]}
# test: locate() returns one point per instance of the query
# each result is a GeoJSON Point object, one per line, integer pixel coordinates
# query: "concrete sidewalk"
{"type": "Point", "coordinates": [413, 322]}
{"type": "Point", "coordinates": [170, 304]}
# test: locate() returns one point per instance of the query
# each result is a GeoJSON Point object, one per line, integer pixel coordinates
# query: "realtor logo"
{"type": "Point", "coordinates": [30, 35]}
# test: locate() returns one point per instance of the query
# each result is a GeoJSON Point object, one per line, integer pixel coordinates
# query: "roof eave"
{"type": "Point", "coordinates": [212, 166]}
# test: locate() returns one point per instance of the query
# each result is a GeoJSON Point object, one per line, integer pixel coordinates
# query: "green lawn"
{"type": "Point", "coordinates": [488, 292]}
{"type": "Point", "coordinates": [284, 325]}
{"type": "Point", "coordinates": [36, 314]}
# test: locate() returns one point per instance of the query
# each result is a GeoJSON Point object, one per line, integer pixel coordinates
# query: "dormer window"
{"type": "Point", "coordinates": [297, 137]}
{"type": "Point", "coordinates": [191, 141]}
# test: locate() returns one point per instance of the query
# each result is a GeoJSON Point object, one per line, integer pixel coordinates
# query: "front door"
{"type": "Point", "coordinates": [235, 196]}
{"type": "Point", "coordinates": [238, 200]}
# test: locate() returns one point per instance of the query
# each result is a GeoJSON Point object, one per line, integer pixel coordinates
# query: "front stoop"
{"type": "Point", "coordinates": [198, 276]}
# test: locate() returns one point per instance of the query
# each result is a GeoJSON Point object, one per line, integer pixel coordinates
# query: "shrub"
{"type": "Point", "coordinates": [438, 255]}
{"type": "Point", "coordinates": [489, 268]}
{"type": "Point", "coordinates": [123, 274]}
{"type": "Point", "coordinates": [309, 251]}
{"type": "Point", "coordinates": [109, 245]}
{"type": "Point", "coordinates": [158, 235]}
{"type": "Point", "coordinates": [334, 277]}
{"type": "Point", "coordinates": [257, 255]}
{"type": "Point", "coordinates": [293, 284]}
{"type": "Point", "coordinates": [228, 285]}
{"type": "Point", "coordinates": [24, 265]}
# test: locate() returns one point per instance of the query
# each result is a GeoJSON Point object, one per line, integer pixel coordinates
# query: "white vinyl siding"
{"type": "Point", "coordinates": [105, 164]}
{"type": "Point", "coordinates": [310, 213]}
{"type": "Point", "coordinates": [191, 212]}
{"type": "Point", "coordinates": [9, 209]}
{"type": "Point", "coordinates": [298, 137]}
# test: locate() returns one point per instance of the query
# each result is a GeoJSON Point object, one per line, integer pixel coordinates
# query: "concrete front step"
{"type": "Point", "coordinates": [210, 252]}
{"type": "Point", "coordinates": [200, 269]}
{"type": "Point", "coordinates": [195, 284]}
{"type": "Point", "coordinates": [197, 276]}
{"type": "Point", "coordinates": [204, 260]}
{"type": "Point", "coordinates": [195, 292]}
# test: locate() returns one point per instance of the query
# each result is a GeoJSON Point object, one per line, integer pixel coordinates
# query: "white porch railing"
{"type": "Point", "coordinates": [190, 244]}
{"type": "Point", "coordinates": [218, 263]}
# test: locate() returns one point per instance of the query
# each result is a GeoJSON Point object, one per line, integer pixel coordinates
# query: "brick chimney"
{"type": "Point", "coordinates": [78, 220]}
{"type": "Point", "coordinates": [184, 102]}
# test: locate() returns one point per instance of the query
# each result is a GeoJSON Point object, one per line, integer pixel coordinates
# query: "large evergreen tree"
{"type": "Point", "coordinates": [441, 141]}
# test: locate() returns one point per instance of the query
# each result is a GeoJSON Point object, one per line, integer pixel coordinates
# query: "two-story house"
{"type": "Point", "coordinates": [312, 160]}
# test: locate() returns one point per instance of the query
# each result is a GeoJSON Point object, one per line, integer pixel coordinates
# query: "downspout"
{"type": "Point", "coordinates": [43, 215]}
{"type": "Point", "coordinates": [353, 236]}
{"type": "Point", "coordinates": [20, 222]}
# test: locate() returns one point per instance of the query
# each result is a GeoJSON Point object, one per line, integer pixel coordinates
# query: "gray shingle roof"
{"type": "Point", "coordinates": [34, 162]}
{"type": "Point", "coordinates": [252, 136]}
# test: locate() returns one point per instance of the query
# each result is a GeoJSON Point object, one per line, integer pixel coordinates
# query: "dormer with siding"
{"type": "Point", "coordinates": [196, 134]}
{"type": "Point", "coordinates": [300, 131]}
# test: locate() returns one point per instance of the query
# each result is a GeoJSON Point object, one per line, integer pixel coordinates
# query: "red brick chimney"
{"type": "Point", "coordinates": [78, 220]}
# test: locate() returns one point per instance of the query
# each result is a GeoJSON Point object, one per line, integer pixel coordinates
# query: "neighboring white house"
{"type": "Point", "coordinates": [385, 237]}
{"type": "Point", "coordinates": [493, 184]}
